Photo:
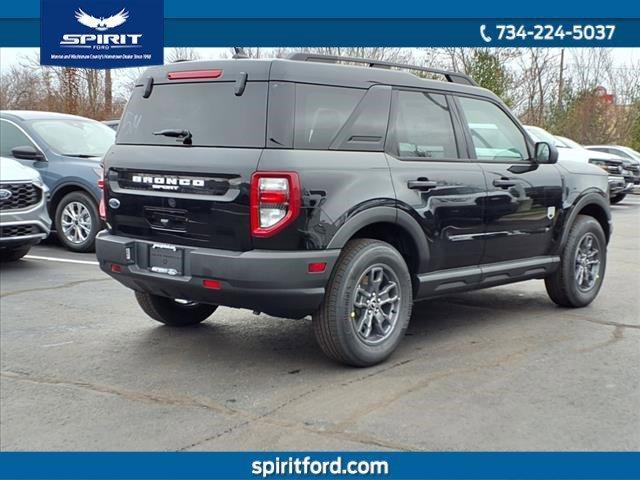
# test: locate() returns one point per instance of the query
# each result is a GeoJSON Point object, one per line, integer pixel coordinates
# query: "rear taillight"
{"type": "Point", "coordinates": [194, 74]}
{"type": "Point", "coordinates": [274, 201]}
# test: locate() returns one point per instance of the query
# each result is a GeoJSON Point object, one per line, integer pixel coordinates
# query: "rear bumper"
{"type": "Point", "coordinates": [270, 281]}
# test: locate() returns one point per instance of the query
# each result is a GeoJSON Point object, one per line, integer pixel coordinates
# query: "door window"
{"type": "Point", "coordinates": [495, 136]}
{"type": "Point", "coordinates": [12, 137]}
{"type": "Point", "coordinates": [422, 127]}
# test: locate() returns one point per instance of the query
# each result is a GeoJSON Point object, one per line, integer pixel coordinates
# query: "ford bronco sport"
{"type": "Point", "coordinates": [341, 188]}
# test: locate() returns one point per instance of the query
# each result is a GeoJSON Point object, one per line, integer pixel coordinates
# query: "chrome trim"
{"type": "Point", "coordinates": [41, 236]}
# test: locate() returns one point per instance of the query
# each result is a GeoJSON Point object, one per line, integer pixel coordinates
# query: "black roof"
{"type": "Point", "coordinates": [313, 72]}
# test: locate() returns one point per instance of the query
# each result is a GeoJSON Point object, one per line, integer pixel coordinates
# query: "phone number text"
{"type": "Point", "coordinates": [555, 32]}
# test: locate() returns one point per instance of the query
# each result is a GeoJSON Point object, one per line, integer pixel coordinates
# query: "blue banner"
{"type": "Point", "coordinates": [396, 465]}
{"type": "Point", "coordinates": [371, 32]}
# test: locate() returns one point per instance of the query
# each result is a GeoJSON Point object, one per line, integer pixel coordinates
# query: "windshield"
{"type": "Point", "coordinates": [75, 137]}
{"type": "Point", "coordinates": [211, 112]}
{"type": "Point", "coordinates": [632, 152]}
{"type": "Point", "coordinates": [541, 135]}
{"type": "Point", "coordinates": [570, 143]}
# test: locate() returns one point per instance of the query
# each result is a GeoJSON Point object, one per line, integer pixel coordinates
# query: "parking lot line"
{"type": "Point", "coordinates": [64, 260]}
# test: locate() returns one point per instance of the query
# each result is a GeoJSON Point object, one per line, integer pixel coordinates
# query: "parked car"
{"type": "Point", "coordinates": [301, 186]}
{"type": "Point", "coordinates": [628, 155]}
{"type": "Point", "coordinates": [603, 160]}
{"type": "Point", "coordinates": [67, 151]}
{"type": "Point", "coordinates": [24, 220]}
{"type": "Point", "coordinates": [113, 124]}
{"type": "Point", "coordinates": [569, 151]}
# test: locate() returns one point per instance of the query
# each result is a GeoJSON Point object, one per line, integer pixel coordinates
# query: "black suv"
{"type": "Point", "coordinates": [341, 188]}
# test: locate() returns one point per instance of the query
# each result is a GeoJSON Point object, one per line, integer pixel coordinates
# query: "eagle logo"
{"type": "Point", "coordinates": [101, 24]}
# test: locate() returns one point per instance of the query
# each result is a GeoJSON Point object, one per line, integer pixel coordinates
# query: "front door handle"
{"type": "Point", "coordinates": [504, 183]}
{"type": "Point", "coordinates": [421, 184]}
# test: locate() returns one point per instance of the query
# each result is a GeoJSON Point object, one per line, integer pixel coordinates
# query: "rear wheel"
{"type": "Point", "coordinates": [582, 265]}
{"type": "Point", "coordinates": [77, 222]}
{"type": "Point", "coordinates": [367, 304]}
{"type": "Point", "coordinates": [618, 198]}
{"type": "Point", "coordinates": [174, 312]}
{"type": "Point", "coordinates": [13, 254]}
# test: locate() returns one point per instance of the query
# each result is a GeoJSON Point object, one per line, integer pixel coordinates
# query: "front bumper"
{"type": "Point", "coordinates": [617, 185]}
{"type": "Point", "coordinates": [274, 282]}
{"type": "Point", "coordinates": [36, 223]}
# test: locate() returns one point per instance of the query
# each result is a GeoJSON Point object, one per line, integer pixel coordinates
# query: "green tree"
{"type": "Point", "coordinates": [486, 68]}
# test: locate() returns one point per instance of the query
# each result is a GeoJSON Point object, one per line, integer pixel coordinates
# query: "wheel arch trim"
{"type": "Point", "coordinates": [381, 214]}
{"type": "Point", "coordinates": [590, 198]}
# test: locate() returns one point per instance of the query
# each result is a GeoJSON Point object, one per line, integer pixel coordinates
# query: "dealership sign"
{"type": "Point", "coordinates": [102, 33]}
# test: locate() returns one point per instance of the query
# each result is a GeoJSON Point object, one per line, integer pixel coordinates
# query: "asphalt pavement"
{"type": "Point", "coordinates": [82, 368]}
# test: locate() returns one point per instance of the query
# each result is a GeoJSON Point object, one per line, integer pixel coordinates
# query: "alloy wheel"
{"type": "Point", "coordinates": [587, 262]}
{"type": "Point", "coordinates": [76, 222]}
{"type": "Point", "coordinates": [376, 304]}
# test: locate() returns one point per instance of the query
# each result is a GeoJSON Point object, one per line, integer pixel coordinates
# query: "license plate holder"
{"type": "Point", "coordinates": [166, 259]}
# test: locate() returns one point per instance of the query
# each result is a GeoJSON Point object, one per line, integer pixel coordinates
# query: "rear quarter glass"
{"type": "Point", "coordinates": [214, 115]}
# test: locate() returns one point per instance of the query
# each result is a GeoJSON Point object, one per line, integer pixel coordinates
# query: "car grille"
{"type": "Point", "coordinates": [614, 169]}
{"type": "Point", "coordinates": [23, 195]}
{"type": "Point", "coordinates": [13, 231]}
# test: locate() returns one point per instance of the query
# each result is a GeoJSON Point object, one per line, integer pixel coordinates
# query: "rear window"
{"type": "Point", "coordinates": [321, 112]}
{"type": "Point", "coordinates": [214, 115]}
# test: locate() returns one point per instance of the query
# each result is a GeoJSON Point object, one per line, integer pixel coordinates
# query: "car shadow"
{"type": "Point", "coordinates": [273, 344]}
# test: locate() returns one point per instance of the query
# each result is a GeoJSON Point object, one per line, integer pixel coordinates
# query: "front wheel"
{"type": "Point", "coordinates": [174, 312]}
{"type": "Point", "coordinates": [367, 304]}
{"type": "Point", "coordinates": [77, 222]}
{"type": "Point", "coordinates": [577, 281]}
{"type": "Point", "coordinates": [618, 198]}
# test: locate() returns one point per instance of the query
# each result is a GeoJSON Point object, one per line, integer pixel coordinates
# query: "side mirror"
{"type": "Point", "coordinates": [27, 152]}
{"type": "Point", "coordinates": [545, 153]}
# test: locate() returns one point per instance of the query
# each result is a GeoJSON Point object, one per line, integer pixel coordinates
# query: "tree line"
{"type": "Point", "coordinates": [583, 94]}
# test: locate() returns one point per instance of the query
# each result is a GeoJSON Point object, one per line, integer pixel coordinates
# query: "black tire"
{"type": "Point", "coordinates": [618, 198]}
{"type": "Point", "coordinates": [562, 286]}
{"type": "Point", "coordinates": [334, 328]}
{"type": "Point", "coordinates": [14, 254]}
{"type": "Point", "coordinates": [173, 313]}
{"type": "Point", "coordinates": [84, 245]}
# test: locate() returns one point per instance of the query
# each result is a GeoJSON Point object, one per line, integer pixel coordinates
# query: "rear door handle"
{"type": "Point", "coordinates": [421, 184]}
{"type": "Point", "coordinates": [504, 183]}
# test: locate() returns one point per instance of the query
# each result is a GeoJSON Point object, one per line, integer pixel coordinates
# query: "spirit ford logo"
{"type": "Point", "coordinates": [101, 24]}
{"type": "Point", "coordinates": [100, 39]}
{"type": "Point", "coordinates": [167, 183]}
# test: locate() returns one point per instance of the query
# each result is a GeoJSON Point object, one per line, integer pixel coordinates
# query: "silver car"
{"type": "Point", "coordinates": [24, 220]}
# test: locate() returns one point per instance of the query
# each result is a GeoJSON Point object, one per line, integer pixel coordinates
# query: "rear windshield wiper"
{"type": "Point", "coordinates": [185, 135]}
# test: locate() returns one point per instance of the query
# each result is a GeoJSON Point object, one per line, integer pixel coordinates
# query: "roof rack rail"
{"type": "Point", "coordinates": [453, 77]}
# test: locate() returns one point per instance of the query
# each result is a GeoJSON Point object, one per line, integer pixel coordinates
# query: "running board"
{"type": "Point", "coordinates": [482, 276]}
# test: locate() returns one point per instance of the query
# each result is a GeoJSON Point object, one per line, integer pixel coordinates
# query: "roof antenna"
{"type": "Point", "coordinates": [239, 53]}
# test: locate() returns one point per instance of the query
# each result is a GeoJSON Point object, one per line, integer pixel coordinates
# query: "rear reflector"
{"type": "Point", "coordinates": [317, 267]}
{"type": "Point", "coordinates": [102, 209]}
{"type": "Point", "coordinates": [211, 284]}
{"type": "Point", "coordinates": [115, 268]}
{"type": "Point", "coordinates": [194, 74]}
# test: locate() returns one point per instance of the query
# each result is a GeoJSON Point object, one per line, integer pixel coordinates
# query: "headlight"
{"type": "Point", "coordinates": [37, 181]}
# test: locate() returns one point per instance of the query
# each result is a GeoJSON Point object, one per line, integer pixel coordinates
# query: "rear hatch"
{"type": "Point", "coordinates": [189, 140]}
